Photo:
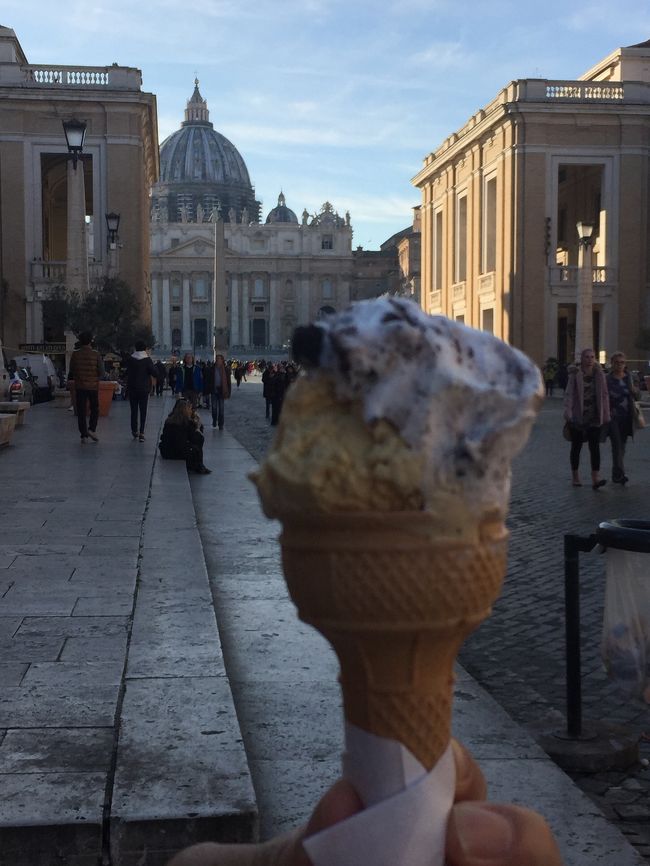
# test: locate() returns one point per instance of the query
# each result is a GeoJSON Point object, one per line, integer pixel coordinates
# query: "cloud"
{"type": "Point", "coordinates": [440, 55]}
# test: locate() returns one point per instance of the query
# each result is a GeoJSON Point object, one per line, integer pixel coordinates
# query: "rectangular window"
{"type": "Point", "coordinates": [328, 291]}
{"type": "Point", "coordinates": [327, 242]}
{"type": "Point", "coordinates": [437, 252]}
{"type": "Point", "coordinates": [176, 309]}
{"type": "Point", "coordinates": [258, 309]}
{"type": "Point", "coordinates": [258, 288]}
{"type": "Point", "coordinates": [487, 320]}
{"type": "Point", "coordinates": [176, 289]}
{"type": "Point", "coordinates": [199, 288]}
{"type": "Point", "coordinates": [288, 245]}
{"type": "Point", "coordinates": [490, 226]}
{"type": "Point", "coordinates": [460, 319]}
{"type": "Point", "coordinates": [174, 242]}
{"type": "Point", "coordinates": [460, 274]}
{"type": "Point", "coordinates": [200, 332]}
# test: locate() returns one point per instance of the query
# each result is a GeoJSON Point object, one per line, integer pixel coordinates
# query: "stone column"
{"type": "Point", "coordinates": [245, 313]}
{"type": "Point", "coordinates": [76, 278]}
{"type": "Point", "coordinates": [304, 310]}
{"type": "Point", "coordinates": [186, 330]}
{"type": "Point", "coordinates": [155, 312]}
{"type": "Point", "coordinates": [235, 339]}
{"type": "Point", "coordinates": [274, 313]}
{"type": "Point", "coordinates": [166, 314]}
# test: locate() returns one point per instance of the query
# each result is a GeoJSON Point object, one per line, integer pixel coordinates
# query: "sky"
{"type": "Point", "coordinates": [331, 100]}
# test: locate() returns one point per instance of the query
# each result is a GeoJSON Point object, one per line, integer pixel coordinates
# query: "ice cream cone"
{"type": "Point", "coordinates": [396, 602]}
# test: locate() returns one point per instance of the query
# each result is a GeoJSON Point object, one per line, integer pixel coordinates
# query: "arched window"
{"type": "Point", "coordinates": [326, 311]}
{"type": "Point", "coordinates": [176, 338]}
{"type": "Point", "coordinates": [289, 291]}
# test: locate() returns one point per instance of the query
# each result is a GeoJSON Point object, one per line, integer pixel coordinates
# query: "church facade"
{"type": "Point", "coordinates": [222, 278]}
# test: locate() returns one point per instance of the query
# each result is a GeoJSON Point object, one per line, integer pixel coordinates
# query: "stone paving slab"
{"type": "Point", "coordinates": [57, 750]}
{"type": "Point", "coordinates": [181, 771]}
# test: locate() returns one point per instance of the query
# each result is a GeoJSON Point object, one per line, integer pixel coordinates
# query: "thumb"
{"type": "Point", "coordinates": [337, 804]}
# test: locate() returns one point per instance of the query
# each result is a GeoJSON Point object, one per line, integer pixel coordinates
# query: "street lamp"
{"type": "Point", "coordinates": [75, 134]}
{"type": "Point", "coordinates": [584, 301]}
{"type": "Point", "coordinates": [76, 270]}
{"type": "Point", "coordinates": [112, 225]}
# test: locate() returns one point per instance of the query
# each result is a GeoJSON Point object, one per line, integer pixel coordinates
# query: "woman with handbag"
{"type": "Point", "coordinates": [622, 395]}
{"type": "Point", "coordinates": [586, 409]}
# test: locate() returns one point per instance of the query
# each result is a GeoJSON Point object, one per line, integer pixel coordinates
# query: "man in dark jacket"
{"type": "Point", "coordinates": [140, 371]}
{"type": "Point", "coordinates": [86, 369]}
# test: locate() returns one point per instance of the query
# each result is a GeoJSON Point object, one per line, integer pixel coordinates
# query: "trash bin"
{"type": "Point", "coordinates": [625, 643]}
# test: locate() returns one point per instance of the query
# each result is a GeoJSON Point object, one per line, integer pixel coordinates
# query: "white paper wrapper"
{"type": "Point", "coordinates": [405, 818]}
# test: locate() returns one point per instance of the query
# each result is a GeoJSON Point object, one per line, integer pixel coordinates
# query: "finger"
{"type": "Point", "coordinates": [470, 781]}
{"type": "Point", "coordinates": [492, 834]}
{"type": "Point", "coordinates": [337, 804]}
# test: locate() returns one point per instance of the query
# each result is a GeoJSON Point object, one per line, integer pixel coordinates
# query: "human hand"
{"type": "Point", "coordinates": [478, 833]}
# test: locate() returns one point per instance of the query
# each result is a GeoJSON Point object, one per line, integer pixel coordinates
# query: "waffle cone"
{"type": "Point", "coordinates": [396, 604]}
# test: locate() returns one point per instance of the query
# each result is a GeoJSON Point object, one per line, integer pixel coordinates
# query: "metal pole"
{"type": "Point", "coordinates": [572, 631]}
{"type": "Point", "coordinates": [573, 545]}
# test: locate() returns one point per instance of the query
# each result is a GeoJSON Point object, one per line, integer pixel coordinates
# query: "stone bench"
{"type": "Point", "coordinates": [7, 427]}
{"type": "Point", "coordinates": [17, 408]}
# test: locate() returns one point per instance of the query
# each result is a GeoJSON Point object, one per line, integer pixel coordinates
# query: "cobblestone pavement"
{"type": "Point", "coordinates": [518, 654]}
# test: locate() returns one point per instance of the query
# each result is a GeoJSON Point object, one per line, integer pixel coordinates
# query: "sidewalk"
{"type": "Point", "coordinates": [119, 741]}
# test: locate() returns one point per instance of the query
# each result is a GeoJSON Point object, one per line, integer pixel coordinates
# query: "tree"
{"type": "Point", "coordinates": [109, 311]}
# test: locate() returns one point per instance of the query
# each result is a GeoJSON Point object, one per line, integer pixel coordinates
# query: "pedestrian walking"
{"type": "Point", "coordinates": [277, 388]}
{"type": "Point", "coordinates": [182, 438]}
{"type": "Point", "coordinates": [160, 377]}
{"type": "Point", "coordinates": [141, 372]}
{"type": "Point", "coordinates": [86, 369]}
{"type": "Point", "coordinates": [207, 373]}
{"type": "Point", "coordinates": [189, 381]}
{"type": "Point", "coordinates": [239, 372]}
{"type": "Point", "coordinates": [549, 372]}
{"type": "Point", "coordinates": [622, 394]}
{"type": "Point", "coordinates": [586, 412]}
{"type": "Point", "coordinates": [266, 389]}
{"type": "Point", "coordinates": [220, 390]}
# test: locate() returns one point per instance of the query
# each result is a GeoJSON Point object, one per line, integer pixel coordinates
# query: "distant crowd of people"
{"type": "Point", "coordinates": [197, 384]}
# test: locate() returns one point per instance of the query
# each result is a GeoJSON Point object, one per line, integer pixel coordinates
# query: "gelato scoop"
{"type": "Point", "coordinates": [390, 473]}
{"type": "Point", "coordinates": [401, 411]}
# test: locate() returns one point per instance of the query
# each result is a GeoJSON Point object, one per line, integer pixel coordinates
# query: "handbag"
{"type": "Point", "coordinates": [639, 420]}
{"type": "Point", "coordinates": [566, 431]}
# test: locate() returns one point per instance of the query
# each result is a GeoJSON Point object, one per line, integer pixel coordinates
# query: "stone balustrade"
{"type": "Point", "coordinates": [71, 77]}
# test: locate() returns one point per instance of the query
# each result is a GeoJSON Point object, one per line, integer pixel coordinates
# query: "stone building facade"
{"type": "Point", "coordinates": [501, 198]}
{"type": "Point", "coordinates": [270, 276]}
{"type": "Point", "coordinates": [119, 164]}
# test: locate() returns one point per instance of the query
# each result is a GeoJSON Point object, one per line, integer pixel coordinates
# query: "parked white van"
{"type": "Point", "coordinates": [42, 370]}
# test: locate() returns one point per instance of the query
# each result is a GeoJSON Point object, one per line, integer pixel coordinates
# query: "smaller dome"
{"type": "Point", "coordinates": [281, 213]}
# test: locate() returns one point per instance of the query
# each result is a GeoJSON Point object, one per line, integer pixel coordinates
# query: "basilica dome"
{"type": "Point", "coordinates": [201, 171]}
{"type": "Point", "coordinates": [281, 213]}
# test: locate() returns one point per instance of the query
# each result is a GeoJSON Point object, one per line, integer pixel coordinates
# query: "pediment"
{"type": "Point", "coordinates": [189, 249]}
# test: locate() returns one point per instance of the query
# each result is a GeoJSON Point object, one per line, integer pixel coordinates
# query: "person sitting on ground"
{"type": "Point", "coordinates": [478, 833]}
{"type": "Point", "coordinates": [182, 438]}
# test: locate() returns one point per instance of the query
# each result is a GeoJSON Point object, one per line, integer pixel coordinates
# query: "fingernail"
{"type": "Point", "coordinates": [485, 835]}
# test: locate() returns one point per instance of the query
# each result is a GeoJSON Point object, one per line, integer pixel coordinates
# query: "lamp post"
{"type": "Point", "coordinates": [584, 301]}
{"type": "Point", "coordinates": [77, 256]}
{"type": "Point", "coordinates": [76, 273]}
{"type": "Point", "coordinates": [215, 217]}
{"type": "Point", "coordinates": [112, 225]}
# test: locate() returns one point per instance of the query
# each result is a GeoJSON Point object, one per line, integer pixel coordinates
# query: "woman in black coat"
{"type": "Point", "coordinates": [182, 438]}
